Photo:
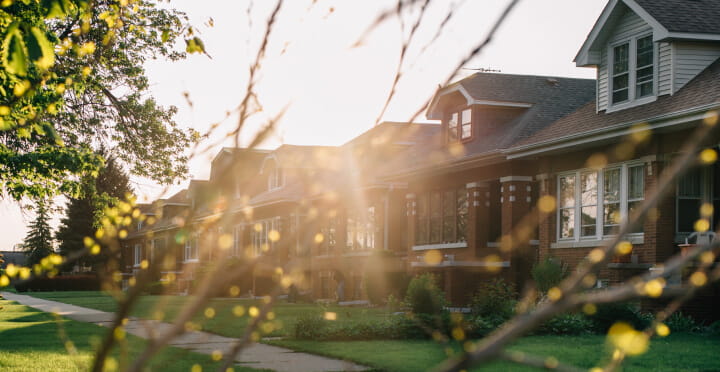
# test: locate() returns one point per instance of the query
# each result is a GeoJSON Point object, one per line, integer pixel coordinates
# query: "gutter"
{"type": "Point", "coordinates": [617, 130]}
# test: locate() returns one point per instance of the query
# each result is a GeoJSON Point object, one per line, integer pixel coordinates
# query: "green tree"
{"type": "Point", "coordinates": [73, 81]}
{"type": "Point", "coordinates": [38, 241]}
{"type": "Point", "coordinates": [82, 214]}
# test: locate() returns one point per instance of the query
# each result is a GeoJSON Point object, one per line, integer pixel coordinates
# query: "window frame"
{"type": "Point", "coordinates": [428, 218]}
{"type": "Point", "coordinates": [360, 234]}
{"type": "Point", "coordinates": [459, 125]}
{"type": "Point", "coordinates": [192, 251]}
{"type": "Point", "coordinates": [260, 238]}
{"type": "Point", "coordinates": [600, 203]}
{"type": "Point", "coordinates": [137, 254]}
{"type": "Point", "coordinates": [707, 195]}
{"type": "Point", "coordinates": [238, 230]}
{"type": "Point", "coordinates": [276, 179]}
{"type": "Point", "coordinates": [633, 99]}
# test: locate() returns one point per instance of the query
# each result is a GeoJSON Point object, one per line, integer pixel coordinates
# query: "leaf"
{"type": "Point", "coordinates": [165, 36]}
{"type": "Point", "coordinates": [40, 48]}
{"type": "Point", "coordinates": [195, 45]}
{"type": "Point", "coordinates": [56, 8]}
{"type": "Point", "coordinates": [14, 57]}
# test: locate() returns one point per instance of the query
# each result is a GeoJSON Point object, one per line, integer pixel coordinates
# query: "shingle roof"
{"type": "Point", "coordinates": [703, 90]}
{"type": "Point", "coordinates": [305, 157]}
{"type": "Point", "coordinates": [693, 16]}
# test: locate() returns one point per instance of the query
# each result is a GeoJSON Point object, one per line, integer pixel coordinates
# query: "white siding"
{"type": "Point", "coordinates": [690, 59]}
{"type": "Point", "coordinates": [629, 25]}
{"type": "Point", "coordinates": [664, 69]}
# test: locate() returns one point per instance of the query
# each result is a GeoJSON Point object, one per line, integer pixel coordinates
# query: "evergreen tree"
{"type": "Point", "coordinates": [38, 241]}
{"type": "Point", "coordinates": [81, 215]}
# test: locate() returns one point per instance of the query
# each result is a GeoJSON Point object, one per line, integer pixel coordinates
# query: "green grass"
{"type": "Point", "coordinates": [29, 341]}
{"type": "Point", "coordinates": [224, 322]}
{"type": "Point", "coordinates": [680, 352]}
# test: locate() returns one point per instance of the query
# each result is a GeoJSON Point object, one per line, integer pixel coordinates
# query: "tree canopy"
{"type": "Point", "coordinates": [73, 81]}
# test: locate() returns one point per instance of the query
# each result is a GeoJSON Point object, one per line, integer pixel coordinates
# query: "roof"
{"type": "Point", "coordinates": [700, 92]}
{"type": "Point", "coordinates": [304, 157]}
{"type": "Point", "coordinates": [687, 16]}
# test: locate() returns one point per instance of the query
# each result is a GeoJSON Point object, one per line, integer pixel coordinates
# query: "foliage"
{"type": "Point", "coordinates": [424, 296]}
{"type": "Point", "coordinates": [608, 314]}
{"type": "Point", "coordinates": [679, 322]}
{"type": "Point", "coordinates": [72, 81]}
{"type": "Point", "coordinates": [714, 328]}
{"type": "Point", "coordinates": [494, 299]}
{"type": "Point", "coordinates": [38, 241]}
{"type": "Point", "coordinates": [61, 283]}
{"type": "Point", "coordinates": [82, 215]}
{"type": "Point", "coordinates": [549, 273]}
{"type": "Point", "coordinates": [310, 327]}
{"type": "Point", "coordinates": [398, 327]}
{"type": "Point", "coordinates": [481, 326]}
{"type": "Point", "coordinates": [567, 324]}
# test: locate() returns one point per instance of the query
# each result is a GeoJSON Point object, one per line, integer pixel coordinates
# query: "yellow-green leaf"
{"type": "Point", "coordinates": [14, 56]}
{"type": "Point", "coordinates": [40, 49]}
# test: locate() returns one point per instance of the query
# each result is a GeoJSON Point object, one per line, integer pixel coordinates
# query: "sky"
{"type": "Point", "coordinates": [331, 77]}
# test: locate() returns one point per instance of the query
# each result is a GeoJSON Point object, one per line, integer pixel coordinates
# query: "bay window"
{"type": "Point", "coordinates": [592, 204]}
{"type": "Point", "coordinates": [442, 217]}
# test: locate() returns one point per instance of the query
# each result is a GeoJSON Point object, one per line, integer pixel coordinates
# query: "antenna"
{"type": "Point", "coordinates": [482, 69]}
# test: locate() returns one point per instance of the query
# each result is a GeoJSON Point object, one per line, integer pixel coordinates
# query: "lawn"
{"type": "Point", "coordinates": [224, 322]}
{"type": "Point", "coordinates": [29, 341]}
{"type": "Point", "coordinates": [680, 352]}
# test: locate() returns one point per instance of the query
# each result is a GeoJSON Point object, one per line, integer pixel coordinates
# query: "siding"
{"type": "Point", "coordinates": [690, 59]}
{"type": "Point", "coordinates": [664, 69]}
{"type": "Point", "coordinates": [629, 25]}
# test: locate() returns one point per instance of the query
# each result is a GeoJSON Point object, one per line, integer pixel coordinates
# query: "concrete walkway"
{"type": "Point", "coordinates": [255, 356]}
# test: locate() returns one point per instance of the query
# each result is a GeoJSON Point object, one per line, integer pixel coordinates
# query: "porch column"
{"type": "Point", "coordinates": [478, 217]}
{"type": "Point", "coordinates": [547, 212]}
{"type": "Point", "coordinates": [516, 202]}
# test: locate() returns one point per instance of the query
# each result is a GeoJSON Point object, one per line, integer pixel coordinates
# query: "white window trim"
{"type": "Point", "coordinates": [137, 254]}
{"type": "Point", "coordinates": [237, 240]}
{"type": "Point", "coordinates": [276, 179]}
{"type": "Point", "coordinates": [632, 74]}
{"type": "Point", "coordinates": [261, 237]}
{"type": "Point", "coordinates": [706, 196]}
{"type": "Point", "coordinates": [577, 207]}
{"type": "Point", "coordinates": [188, 249]}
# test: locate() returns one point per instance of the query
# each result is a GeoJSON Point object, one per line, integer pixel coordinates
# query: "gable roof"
{"type": "Point", "coordinates": [303, 157]}
{"type": "Point", "coordinates": [669, 19]}
{"type": "Point", "coordinates": [696, 98]}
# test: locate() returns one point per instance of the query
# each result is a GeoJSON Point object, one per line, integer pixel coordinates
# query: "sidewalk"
{"type": "Point", "coordinates": [255, 356]}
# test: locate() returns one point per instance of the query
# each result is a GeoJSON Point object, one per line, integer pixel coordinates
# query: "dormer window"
{"type": "Point", "coordinates": [275, 179]}
{"type": "Point", "coordinates": [460, 125]}
{"type": "Point", "coordinates": [633, 70]}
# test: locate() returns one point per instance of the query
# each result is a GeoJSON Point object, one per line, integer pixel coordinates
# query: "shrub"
{"type": "Point", "coordinates": [713, 329]}
{"type": "Point", "coordinates": [548, 273]}
{"type": "Point", "coordinates": [567, 324]}
{"type": "Point", "coordinates": [424, 296]}
{"type": "Point", "coordinates": [481, 326]}
{"type": "Point", "coordinates": [609, 314]}
{"type": "Point", "coordinates": [678, 322]}
{"type": "Point", "coordinates": [494, 299]}
{"type": "Point", "coordinates": [61, 283]}
{"type": "Point", "coordinates": [310, 327]}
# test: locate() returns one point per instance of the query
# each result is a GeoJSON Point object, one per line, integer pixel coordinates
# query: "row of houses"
{"type": "Point", "coordinates": [520, 168]}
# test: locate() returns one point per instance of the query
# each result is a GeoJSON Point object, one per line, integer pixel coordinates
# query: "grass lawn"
{"type": "Point", "coordinates": [224, 322]}
{"type": "Point", "coordinates": [678, 352]}
{"type": "Point", "coordinates": [29, 341]}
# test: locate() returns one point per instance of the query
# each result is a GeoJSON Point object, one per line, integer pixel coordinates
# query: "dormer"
{"type": "Point", "coordinates": [274, 173]}
{"type": "Point", "coordinates": [643, 49]}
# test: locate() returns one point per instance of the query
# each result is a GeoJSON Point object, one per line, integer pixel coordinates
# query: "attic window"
{"type": "Point", "coordinates": [460, 125]}
{"type": "Point", "coordinates": [275, 179]}
{"type": "Point", "coordinates": [632, 71]}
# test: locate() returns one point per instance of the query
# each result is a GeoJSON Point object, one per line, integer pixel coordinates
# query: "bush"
{"type": "Point", "coordinates": [399, 327]}
{"type": "Point", "coordinates": [481, 326]}
{"type": "Point", "coordinates": [548, 273]}
{"type": "Point", "coordinates": [678, 322]}
{"type": "Point", "coordinates": [310, 327]}
{"type": "Point", "coordinates": [609, 314]}
{"type": "Point", "coordinates": [494, 299]}
{"type": "Point", "coordinates": [713, 329]}
{"type": "Point", "coordinates": [424, 296]}
{"type": "Point", "coordinates": [61, 283]}
{"type": "Point", "coordinates": [567, 324]}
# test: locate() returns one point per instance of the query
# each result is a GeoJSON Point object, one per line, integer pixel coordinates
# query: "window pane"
{"type": "Point", "coordinates": [449, 209]}
{"type": "Point", "coordinates": [421, 230]}
{"type": "Point", "coordinates": [435, 217]}
{"type": "Point", "coordinates": [690, 185]}
{"type": "Point", "coordinates": [350, 228]}
{"type": "Point", "coordinates": [462, 214]}
{"type": "Point", "coordinates": [644, 51]}
{"type": "Point", "coordinates": [612, 185]}
{"type": "Point", "coordinates": [588, 188]}
{"type": "Point", "coordinates": [453, 121]}
{"type": "Point", "coordinates": [636, 182]}
{"type": "Point", "coordinates": [588, 220]}
{"type": "Point", "coordinates": [620, 59]}
{"type": "Point", "coordinates": [611, 218]}
{"type": "Point", "coordinates": [466, 131]}
{"type": "Point", "coordinates": [567, 223]}
{"type": "Point", "coordinates": [466, 116]}
{"type": "Point", "coordinates": [632, 207]}
{"type": "Point", "coordinates": [567, 191]}
{"type": "Point", "coordinates": [688, 213]}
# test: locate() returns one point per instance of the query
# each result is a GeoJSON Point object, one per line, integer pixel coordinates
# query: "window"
{"type": "Point", "coordinates": [459, 125]}
{"type": "Point", "coordinates": [137, 257]}
{"type": "Point", "coordinates": [632, 70]}
{"type": "Point", "coordinates": [265, 234]}
{"type": "Point", "coordinates": [275, 179]}
{"type": "Point", "coordinates": [593, 204]}
{"type": "Point", "coordinates": [360, 230]}
{"type": "Point", "coordinates": [157, 249]}
{"type": "Point", "coordinates": [237, 240]}
{"type": "Point", "coordinates": [697, 192]}
{"type": "Point", "coordinates": [442, 217]}
{"type": "Point", "coordinates": [191, 249]}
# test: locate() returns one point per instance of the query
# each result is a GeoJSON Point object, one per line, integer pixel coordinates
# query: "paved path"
{"type": "Point", "coordinates": [256, 356]}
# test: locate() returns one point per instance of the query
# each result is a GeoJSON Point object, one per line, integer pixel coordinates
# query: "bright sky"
{"type": "Point", "coordinates": [331, 90]}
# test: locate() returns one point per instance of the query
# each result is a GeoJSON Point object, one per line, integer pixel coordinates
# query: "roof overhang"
{"type": "Point", "coordinates": [589, 54]}
{"type": "Point", "coordinates": [435, 112]}
{"type": "Point", "coordinates": [673, 120]}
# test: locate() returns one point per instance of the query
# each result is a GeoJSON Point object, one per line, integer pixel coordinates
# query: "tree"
{"type": "Point", "coordinates": [38, 242]}
{"type": "Point", "coordinates": [82, 214]}
{"type": "Point", "coordinates": [73, 80]}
